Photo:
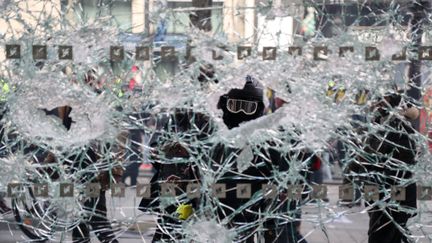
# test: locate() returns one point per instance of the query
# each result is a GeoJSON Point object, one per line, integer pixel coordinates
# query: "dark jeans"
{"type": "Point", "coordinates": [132, 171]}
{"type": "Point", "coordinates": [383, 229]}
{"type": "Point", "coordinates": [317, 177]}
{"type": "Point", "coordinates": [288, 232]}
{"type": "Point", "coordinates": [170, 227]}
{"type": "Point", "coordinates": [97, 218]}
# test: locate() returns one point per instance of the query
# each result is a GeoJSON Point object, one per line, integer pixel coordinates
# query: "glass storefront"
{"type": "Point", "coordinates": [285, 121]}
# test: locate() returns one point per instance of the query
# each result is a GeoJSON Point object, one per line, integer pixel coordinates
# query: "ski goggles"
{"type": "Point", "coordinates": [246, 106]}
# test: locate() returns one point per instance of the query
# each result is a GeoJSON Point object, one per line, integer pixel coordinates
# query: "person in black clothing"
{"type": "Point", "coordinates": [135, 156]}
{"type": "Point", "coordinates": [94, 208]}
{"type": "Point", "coordinates": [95, 211]}
{"type": "Point", "coordinates": [4, 208]}
{"type": "Point", "coordinates": [175, 153]}
{"type": "Point", "coordinates": [240, 106]}
{"type": "Point", "coordinates": [388, 153]}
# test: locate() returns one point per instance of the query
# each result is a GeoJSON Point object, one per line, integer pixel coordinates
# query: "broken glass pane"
{"type": "Point", "coordinates": [215, 121]}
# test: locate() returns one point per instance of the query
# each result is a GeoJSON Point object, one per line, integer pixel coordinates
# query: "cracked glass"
{"type": "Point", "coordinates": [215, 121]}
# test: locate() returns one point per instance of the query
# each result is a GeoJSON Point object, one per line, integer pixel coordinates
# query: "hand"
{"type": "Point", "coordinates": [411, 113]}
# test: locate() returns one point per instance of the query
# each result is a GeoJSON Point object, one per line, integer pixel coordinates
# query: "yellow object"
{"type": "Point", "coordinates": [5, 89]}
{"type": "Point", "coordinates": [184, 211]}
{"type": "Point", "coordinates": [340, 94]}
{"type": "Point", "coordinates": [117, 88]}
{"type": "Point", "coordinates": [330, 92]}
{"type": "Point", "coordinates": [333, 91]}
{"type": "Point", "coordinates": [331, 88]}
{"type": "Point", "coordinates": [362, 97]}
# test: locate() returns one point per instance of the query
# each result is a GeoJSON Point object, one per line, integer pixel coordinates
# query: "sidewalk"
{"type": "Point", "coordinates": [340, 224]}
{"type": "Point", "coordinates": [343, 224]}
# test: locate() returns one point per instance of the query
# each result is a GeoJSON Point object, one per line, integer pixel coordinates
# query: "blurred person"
{"type": "Point", "coordinates": [139, 141]}
{"type": "Point", "coordinates": [97, 78]}
{"type": "Point", "coordinates": [240, 106]}
{"type": "Point", "coordinates": [136, 78]}
{"type": "Point", "coordinates": [90, 155]}
{"type": "Point", "coordinates": [134, 156]}
{"type": "Point", "coordinates": [315, 173]}
{"type": "Point", "coordinates": [4, 208]}
{"type": "Point", "coordinates": [291, 232]}
{"type": "Point", "coordinates": [346, 153]}
{"type": "Point", "coordinates": [176, 150]}
{"type": "Point", "coordinates": [161, 30]}
{"type": "Point", "coordinates": [95, 208]}
{"type": "Point", "coordinates": [346, 136]}
{"type": "Point", "coordinates": [388, 153]}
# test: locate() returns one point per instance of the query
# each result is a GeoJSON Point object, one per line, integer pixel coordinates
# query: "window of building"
{"type": "Point", "coordinates": [120, 10]}
{"type": "Point", "coordinates": [335, 17]}
{"type": "Point", "coordinates": [122, 13]}
{"type": "Point", "coordinates": [178, 18]}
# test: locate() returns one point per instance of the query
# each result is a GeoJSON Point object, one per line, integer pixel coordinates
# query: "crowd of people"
{"type": "Point", "coordinates": [182, 151]}
{"type": "Point", "coordinates": [379, 157]}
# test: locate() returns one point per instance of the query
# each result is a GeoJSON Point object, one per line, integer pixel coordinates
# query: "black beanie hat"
{"type": "Point", "coordinates": [252, 90]}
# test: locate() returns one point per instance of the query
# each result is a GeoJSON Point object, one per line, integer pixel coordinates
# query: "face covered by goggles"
{"type": "Point", "coordinates": [239, 105]}
{"type": "Point", "coordinates": [242, 105]}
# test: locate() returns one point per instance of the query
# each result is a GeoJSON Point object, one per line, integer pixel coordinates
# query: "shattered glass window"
{"type": "Point", "coordinates": [215, 121]}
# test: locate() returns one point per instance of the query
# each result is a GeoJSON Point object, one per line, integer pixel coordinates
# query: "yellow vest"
{"type": "Point", "coordinates": [5, 89]}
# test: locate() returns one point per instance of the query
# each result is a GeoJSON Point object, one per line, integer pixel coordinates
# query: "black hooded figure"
{"type": "Point", "coordinates": [176, 149]}
{"type": "Point", "coordinates": [389, 153]}
{"type": "Point", "coordinates": [240, 106]}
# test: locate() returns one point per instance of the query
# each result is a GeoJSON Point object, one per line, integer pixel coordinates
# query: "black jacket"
{"type": "Point", "coordinates": [269, 165]}
{"type": "Point", "coordinates": [388, 154]}
{"type": "Point", "coordinates": [194, 129]}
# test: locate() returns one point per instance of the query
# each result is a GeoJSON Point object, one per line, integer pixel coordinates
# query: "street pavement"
{"type": "Point", "coordinates": [339, 224]}
{"type": "Point", "coordinates": [322, 223]}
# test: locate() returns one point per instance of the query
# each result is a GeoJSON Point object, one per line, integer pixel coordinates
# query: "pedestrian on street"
{"type": "Point", "coordinates": [4, 208]}
{"type": "Point", "coordinates": [240, 106]}
{"type": "Point", "coordinates": [176, 152]}
{"type": "Point", "coordinates": [94, 208]}
{"type": "Point", "coordinates": [389, 152]}
{"type": "Point", "coordinates": [134, 156]}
